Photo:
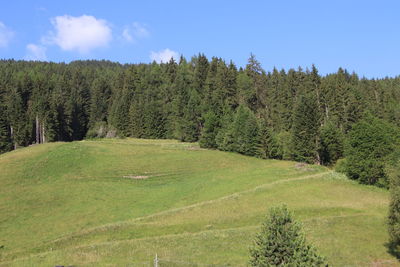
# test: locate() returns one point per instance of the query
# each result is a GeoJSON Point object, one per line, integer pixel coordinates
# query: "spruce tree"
{"type": "Point", "coordinates": [136, 120]}
{"type": "Point", "coordinates": [189, 125]}
{"type": "Point", "coordinates": [224, 138]}
{"type": "Point", "coordinates": [5, 135]}
{"type": "Point", "coordinates": [282, 242]}
{"type": "Point", "coordinates": [209, 131]}
{"type": "Point", "coordinates": [200, 72]}
{"type": "Point", "coordinates": [100, 94]}
{"type": "Point", "coordinates": [18, 119]}
{"type": "Point", "coordinates": [154, 122]}
{"type": "Point", "coordinates": [268, 142]}
{"type": "Point", "coordinates": [243, 135]}
{"type": "Point", "coordinates": [305, 134]}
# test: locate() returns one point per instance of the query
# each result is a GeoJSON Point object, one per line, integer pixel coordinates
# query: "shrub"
{"type": "Point", "coordinates": [340, 166]}
{"type": "Point", "coordinates": [281, 242]}
{"type": "Point", "coordinates": [394, 209]}
{"type": "Point", "coordinates": [371, 143]}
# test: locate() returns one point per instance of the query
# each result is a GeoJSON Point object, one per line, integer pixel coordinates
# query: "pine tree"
{"type": "Point", "coordinates": [100, 94]}
{"type": "Point", "coordinates": [224, 139]}
{"type": "Point", "coordinates": [282, 242]}
{"type": "Point", "coordinates": [122, 101]}
{"type": "Point", "coordinates": [190, 122]}
{"type": "Point", "coordinates": [251, 144]}
{"type": "Point", "coordinates": [5, 135]}
{"type": "Point", "coordinates": [243, 135]}
{"type": "Point", "coordinates": [136, 120]}
{"type": "Point", "coordinates": [200, 73]}
{"type": "Point", "coordinates": [154, 121]}
{"type": "Point", "coordinates": [60, 101]}
{"type": "Point", "coordinates": [268, 145]}
{"type": "Point", "coordinates": [209, 131]}
{"type": "Point", "coordinates": [231, 98]}
{"type": "Point", "coordinates": [79, 104]}
{"type": "Point", "coordinates": [18, 119]}
{"type": "Point", "coordinates": [180, 109]}
{"type": "Point", "coordinates": [305, 134]}
{"type": "Point", "coordinates": [257, 76]}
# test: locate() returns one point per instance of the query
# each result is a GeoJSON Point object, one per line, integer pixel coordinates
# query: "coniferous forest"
{"type": "Point", "coordinates": [294, 114]}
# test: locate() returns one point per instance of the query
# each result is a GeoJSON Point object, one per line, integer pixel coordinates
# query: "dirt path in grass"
{"type": "Point", "coordinates": [119, 224]}
{"type": "Point", "coordinates": [116, 225]}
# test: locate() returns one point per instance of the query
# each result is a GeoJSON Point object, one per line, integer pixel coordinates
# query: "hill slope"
{"type": "Point", "coordinates": [120, 202]}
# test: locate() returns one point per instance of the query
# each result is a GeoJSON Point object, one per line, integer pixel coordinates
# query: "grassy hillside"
{"type": "Point", "coordinates": [119, 202]}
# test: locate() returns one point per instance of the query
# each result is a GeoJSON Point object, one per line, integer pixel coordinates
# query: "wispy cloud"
{"type": "Point", "coordinates": [6, 35]}
{"type": "Point", "coordinates": [35, 52]}
{"type": "Point", "coordinates": [134, 32]}
{"type": "Point", "coordinates": [163, 55]}
{"type": "Point", "coordinates": [81, 34]}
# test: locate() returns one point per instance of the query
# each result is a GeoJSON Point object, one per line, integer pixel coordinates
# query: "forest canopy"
{"type": "Point", "coordinates": [294, 114]}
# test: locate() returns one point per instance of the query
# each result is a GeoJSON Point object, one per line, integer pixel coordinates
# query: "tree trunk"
{"type": "Point", "coordinates": [43, 134]}
{"type": "Point", "coordinates": [12, 137]}
{"type": "Point", "coordinates": [37, 130]}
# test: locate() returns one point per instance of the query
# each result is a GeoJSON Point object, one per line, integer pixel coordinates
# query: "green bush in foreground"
{"type": "Point", "coordinates": [281, 242]}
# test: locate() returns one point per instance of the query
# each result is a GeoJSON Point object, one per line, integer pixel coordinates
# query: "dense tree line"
{"type": "Point", "coordinates": [291, 114]}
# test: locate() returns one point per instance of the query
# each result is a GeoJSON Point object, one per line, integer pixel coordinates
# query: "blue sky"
{"type": "Point", "coordinates": [362, 36]}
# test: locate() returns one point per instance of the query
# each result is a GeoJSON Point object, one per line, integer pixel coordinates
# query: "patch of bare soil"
{"type": "Point", "coordinates": [193, 148]}
{"type": "Point", "coordinates": [302, 166]}
{"type": "Point", "coordinates": [146, 175]}
{"type": "Point", "coordinates": [136, 176]}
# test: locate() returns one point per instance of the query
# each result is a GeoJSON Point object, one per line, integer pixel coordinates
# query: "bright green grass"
{"type": "Point", "coordinates": [69, 204]}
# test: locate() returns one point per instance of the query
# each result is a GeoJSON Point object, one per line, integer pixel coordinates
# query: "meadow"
{"type": "Point", "coordinates": [119, 202]}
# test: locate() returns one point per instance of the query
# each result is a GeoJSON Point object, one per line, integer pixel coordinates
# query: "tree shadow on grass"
{"type": "Point", "coordinates": [393, 250]}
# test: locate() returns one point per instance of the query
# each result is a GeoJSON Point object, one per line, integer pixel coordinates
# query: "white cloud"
{"type": "Point", "coordinates": [35, 52]}
{"type": "Point", "coordinates": [163, 55]}
{"type": "Point", "coordinates": [82, 33]}
{"type": "Point", "coordinates": [5, 35]}
{"type": "Point", "coordinates": [134, 32]}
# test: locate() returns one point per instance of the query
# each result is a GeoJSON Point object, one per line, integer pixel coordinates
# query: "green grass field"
{"type": "Point", "coordinates": [82, 204]}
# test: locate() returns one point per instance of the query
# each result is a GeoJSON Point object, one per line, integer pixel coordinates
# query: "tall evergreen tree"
{"type": "Point", "coordinates": [305, 131]}
{"type": "Point", "coordinates": [20, 126]}
{"type": "Point", "coordinates": [256, 73]}
{"type": "Point", "coordinates": [243, 135]}
{"type": "Point", "coordinates": [5, 135]}
{"type": "Point", "coordinates": [209, 131]}
{"type": "Point", "coordinates": [200, 73]}
{"type": "Point", "coordinates": [190, 122]}
{"type": "Point", "coordinates": [99, 100]}
{"type": "Point", "coordinates": [268, 142]}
